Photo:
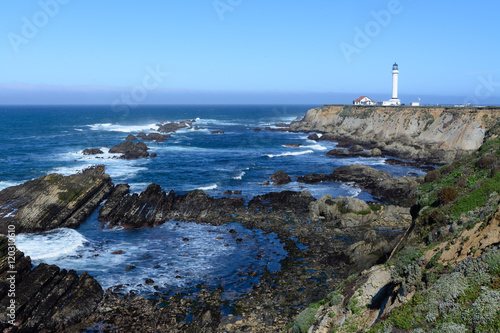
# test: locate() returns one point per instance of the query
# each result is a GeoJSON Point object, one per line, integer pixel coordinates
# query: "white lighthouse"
{"type": "Point", "coordinates": [394, 100]}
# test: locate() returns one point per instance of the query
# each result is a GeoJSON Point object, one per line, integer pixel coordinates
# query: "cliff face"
{"type": "Point", "coordinates": [435, 135]}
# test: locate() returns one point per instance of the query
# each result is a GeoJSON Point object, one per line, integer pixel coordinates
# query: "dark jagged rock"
{"type": "Point", "coordinates": [298, 202]}
{"type": "Point", "coordinates": [362, 175]}
{"type": "Point", "coordinates": [314, 137]}
{"type": "Point", "coordinates": [92, 151]}
{"type": "Point", "coordinates": [173, 127]}
{"type": "Point", "coordinates": [54, 201]}
{"type": "Point", "coordinates": [280, 178]}
{"type": "Point", "coordinates": [355, 151]}
{"type": "Point", "coordinates": [131, 137]}
{"type": "Point", "coordinates": [47, 299]}
{"type": "Point", "coordinates": [130, 150]}
{"type": "Point", "coordinates": [153, 207]}
{"type": "Point", "coordinates": [153, 155]}
{"type": "Point", "coordinates": [218, 132]}
{"type": "Point", "coordinates": [391, 161]}
{"type": "Point", "coordinates": [257, 129]}
{"type": "Point", "coordinates": [293, 145]}
{"type": "Point", "coordinates": [312, 178]}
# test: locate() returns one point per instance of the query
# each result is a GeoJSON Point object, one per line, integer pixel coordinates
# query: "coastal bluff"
{"type": "Point", "coordinates": [434, 135]}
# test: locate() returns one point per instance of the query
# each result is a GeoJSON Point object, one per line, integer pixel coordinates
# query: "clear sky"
{"type": "Point", "coordinates": [248, 51]}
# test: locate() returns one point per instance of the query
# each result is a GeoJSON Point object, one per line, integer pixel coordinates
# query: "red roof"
{"type": "Point", "coordinates": [359, 99]}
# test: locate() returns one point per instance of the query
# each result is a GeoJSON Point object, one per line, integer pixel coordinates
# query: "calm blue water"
{"type": "Point", "coordinates": [40, 140]}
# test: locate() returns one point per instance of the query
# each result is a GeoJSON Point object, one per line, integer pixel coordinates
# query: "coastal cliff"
{"type": "Point", "coordinates": [434, 135]}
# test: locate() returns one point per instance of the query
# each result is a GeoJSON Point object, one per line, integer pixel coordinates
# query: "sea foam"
{"type": "Point", "coordinates": [240, 176]}
{"type": "Point", "coordinates": [50, 245]}
{"type": "Point", "coordinates": [207, 188]}
{"type": "Point", "coordinates": [123, 128]}
{"type": "Point", "coordinates": [291, 154]}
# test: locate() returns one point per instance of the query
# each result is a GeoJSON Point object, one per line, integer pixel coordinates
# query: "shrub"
{"type": "Point", "coordinates": [462, 182]}
{"type": "Point", "coordinates": [405, 265]}
{"type": "Point", "coordinates": [486, 161]}
{"type": "Point", "coordinates": [304, 320]}
{"type": "Point", "coordinates": [475, 270]}
{"type": "Point", "coordinates": [492, 258]}
{"type": "Point", "coordinates": [447, 195]}
{"type": "Point", "coordinates": [450, 328]}
{"type": "Point", "coordinates": [484, 310]}
{"type": "Point", "coordinates": [336, 299]}
{"type": "Point", "coordinates": [432, 176]}
{"type": "Point", "coordinates": [441, 297]}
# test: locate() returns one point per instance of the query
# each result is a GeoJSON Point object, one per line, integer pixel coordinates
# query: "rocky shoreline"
{"type": "Point", "coordinates": [327, 239]}
{"type": "Point", "coordinates": [320, 227]}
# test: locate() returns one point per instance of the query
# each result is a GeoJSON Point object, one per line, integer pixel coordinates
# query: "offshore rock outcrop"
{"type": "Point", "coordinates": [433, 135]}
{"type": "Point", "coordinates": [47, 299]}
{"type": "Point", "coordinates": [280, 178]}
{"type": "Point", "coordinates": [170, 127]}
{"type": "Point", "coordinates": [130, 150]}
{"type": "Point", "coordinates": [157, 137]}
{"type": "Point", "coordinates": [53, 201]}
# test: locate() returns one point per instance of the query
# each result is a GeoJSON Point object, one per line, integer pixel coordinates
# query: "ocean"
{"type": "Point", "coordinates": [39, 140]}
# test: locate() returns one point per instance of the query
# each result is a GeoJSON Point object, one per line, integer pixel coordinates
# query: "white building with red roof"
{"type": "Point", "coordinates": [363, 100]}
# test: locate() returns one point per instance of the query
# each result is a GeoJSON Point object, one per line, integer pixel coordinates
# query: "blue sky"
{"type": "Point", "coordinates": [243, 51]}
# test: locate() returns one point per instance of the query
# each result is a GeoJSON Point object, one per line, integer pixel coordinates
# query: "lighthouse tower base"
{"type": "Point", "coordinates": [392, 101]}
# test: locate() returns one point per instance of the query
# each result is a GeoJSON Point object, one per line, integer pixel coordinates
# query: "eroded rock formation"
{"type": "Point", "coordinates": [54, 201]}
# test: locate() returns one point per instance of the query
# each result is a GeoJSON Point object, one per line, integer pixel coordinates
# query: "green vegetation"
{"type": "Point", "coordinates": [304, 320]}
{"type": "Point", "coordinates": [455, 198]}
{"type": "Point", "coordinates": [70, 195]}
{"type": "Point", "coordinates": [429, 123]}
{"type": "Point", "coordinates": [477, 197]}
